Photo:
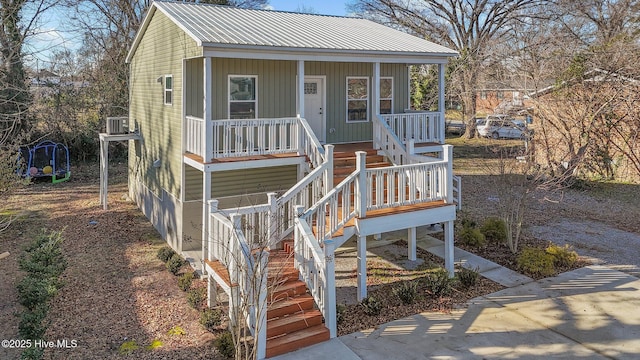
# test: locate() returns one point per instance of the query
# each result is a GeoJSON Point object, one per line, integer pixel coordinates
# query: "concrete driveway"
{"type": "Point", "coordinates": [589, 313]}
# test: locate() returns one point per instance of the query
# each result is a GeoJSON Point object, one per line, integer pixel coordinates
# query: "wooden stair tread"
{"type": "Point", "coordinates": [297, 340]}
{"type": "Point", "coordinates": [221, 271]}
{"type": "Point", "coordinates": [290, 306]}
{"type": "Point", "coordinates": [293, 323]}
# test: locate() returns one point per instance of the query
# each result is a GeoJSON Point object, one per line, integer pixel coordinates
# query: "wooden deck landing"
{"type": "Point", "coordinates": [226, 160]}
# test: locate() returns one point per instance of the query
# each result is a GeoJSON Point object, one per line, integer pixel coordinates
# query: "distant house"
{"type": "Point", "coordinates": [500, 98]}
{"type": "Point", "coordinates": [248, 123]}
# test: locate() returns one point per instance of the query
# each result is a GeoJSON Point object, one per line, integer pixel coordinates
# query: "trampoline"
{"type": "Point", "coordinates": [46, 159]}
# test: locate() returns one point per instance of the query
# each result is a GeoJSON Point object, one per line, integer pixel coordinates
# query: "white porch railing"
{"type": "Point", "coordinates": [247, 269]}
{"type": "Point", "coordinates": [457, 191]}
{"type": "Point", "coordinates": [422, 127]}
{"type": "Point", "coordinates": [194, 128]}
{"type": "Point", "coordinates": [317, 268]}
{"type": "Point", "coordinates": [386, 140]}
{"type": "Point", "coordinates": [247, 137]}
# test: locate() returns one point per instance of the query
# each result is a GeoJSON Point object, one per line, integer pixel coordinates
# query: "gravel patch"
{"type": "Point", "coordinates": [600, 242]}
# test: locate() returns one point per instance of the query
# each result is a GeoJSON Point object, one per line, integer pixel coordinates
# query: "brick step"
{"type": "Point", "coordinates": [294, 322]}
{"type": "Point", "coordinates": [299, 339]}
{"type": "Point", "coordinates": [287, 290]}
{"type": "Point", "coordinates": [290, 306]}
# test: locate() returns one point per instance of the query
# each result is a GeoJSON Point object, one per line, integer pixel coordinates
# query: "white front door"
{"type": "Point", "coordinates": [314, 107]}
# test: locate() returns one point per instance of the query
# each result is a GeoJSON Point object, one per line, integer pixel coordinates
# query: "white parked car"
{"type": "Point", "coordinates": [501, 127]}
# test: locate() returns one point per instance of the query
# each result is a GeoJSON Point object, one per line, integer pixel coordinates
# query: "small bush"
{"type": "Point", "coordinates": [472, 237]}
{"type": "Point", "coordinates": [185, 280]}
{"type": "Point", "coordinates": [439, 283]}
{"type": "Point", "coordinates": [535, 261]}
{"type": "Point", "coordinates": [196, 297]}
{"type": "Point", "coordinates": [176, 331]}
{"type": "Point", "coordinates": [224, 344]}
{"type": "Point", "coordinates": [175, 264]}
{"type": "Point", "coordinates": [340, 309]}
{"type": "Point", "coordinates": [371, 306]}
{"type": "Point", "coordinates": [211, 318]}
{"type": "Point", "coordinates": [165, 253]}
{"type": "Point", "coordinates": [494, 230]}
{"type": "Point", "coordinates": [32, 324]}
{"type": "Point", "coordinates": [406, 291]}
{"type": "Point", "coordinates": [128, 347]}
{"type": "Point", "coordinates": [33, 292]}
{"type": "Point", "coordinates": [468, 277]}
{"type": "Point", "coordinates": [562, 255]}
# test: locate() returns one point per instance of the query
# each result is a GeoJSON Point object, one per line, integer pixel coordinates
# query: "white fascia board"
{"type": "Point", "coordinates": [272, 53]}
{"type": "Point", "coordinates": [243, 165]}
{"type": "Point", "coordinates": [382, 224]}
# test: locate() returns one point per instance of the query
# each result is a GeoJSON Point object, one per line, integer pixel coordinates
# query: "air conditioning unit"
{"type": "Point", "coordinates": [117, 125]}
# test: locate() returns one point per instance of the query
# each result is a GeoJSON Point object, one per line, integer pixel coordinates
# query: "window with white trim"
{"type": "Point", "coordinates": [386, 95]}
{"type": "Point", "coordinates": [168, 89]}
{"type": "Point", "coordinates": [243, 99]}
{"type": "Point", "coordinates": [357, 99]}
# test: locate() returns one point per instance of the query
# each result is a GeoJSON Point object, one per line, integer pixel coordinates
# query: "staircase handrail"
{"type": "Point", "coordinates": [310, 145]}
{"type": "Point", "coordinates": [385, 139]}
{"type": "Point", "coordinates": [336, 219]}
{"type": "Point", "coordinates": [317, 268]}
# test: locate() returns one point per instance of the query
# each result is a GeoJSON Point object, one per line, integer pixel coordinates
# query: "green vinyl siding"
{"type": "Point", "coordinates": [241, 182]}
{"type": "Point", "coordinates": [336, 91]}
{"type": "Point", "coordinates": [194, 88]}
{"type": "Point", "coordinates": [400, 85]}
{"type": "Point", "coordinates": [160, 52]}
{"type": "Point", "coordinates": [276, 85]}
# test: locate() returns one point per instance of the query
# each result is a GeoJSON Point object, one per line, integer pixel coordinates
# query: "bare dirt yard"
{"type": "Point", "coordinates": [116, 290]}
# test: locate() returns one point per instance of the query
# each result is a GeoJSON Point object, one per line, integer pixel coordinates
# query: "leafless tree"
{"type": "Point", "coordinates": [466, 26]}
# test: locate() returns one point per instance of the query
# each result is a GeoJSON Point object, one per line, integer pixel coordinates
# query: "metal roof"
{"type": "Point", "coordinates": [225, 26]}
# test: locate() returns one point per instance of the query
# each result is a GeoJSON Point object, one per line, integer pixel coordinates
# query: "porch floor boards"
{"type": "Point", "coordinates": [222, 271]}
{"type": "Point", "coordinates": [200, 160]}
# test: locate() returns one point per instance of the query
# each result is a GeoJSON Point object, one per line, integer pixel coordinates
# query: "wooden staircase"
{"type": "Point", "coordinates": [292, 320]}
{"type": "Point", "coordinates": [344, 162]}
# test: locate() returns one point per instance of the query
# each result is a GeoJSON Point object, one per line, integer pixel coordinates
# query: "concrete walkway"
{"type": "Point", "coordinates": [589, 313]}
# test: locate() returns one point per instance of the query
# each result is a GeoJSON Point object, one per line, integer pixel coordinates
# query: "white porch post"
{"type": "Point", "coordinates": [261, 306]}
{"type": "Point", "coordinates": [212, 291]}
{"type": "Point", "coordinates": [300, 97]}
{"type": "Point", "coordinates": [411, 240]}
{"type": "Point", "coordinates": [361, 188]}
{"type": "Point", "coordinates": [362, 267]}
{"type": "Point", "coordinates": [448, 181]}
{"type": "Point", "coordinates": [330, 291]}
{"type": "Point", "coordinates": [441, 105]}
{"type": "Point", "coordinates": [207, 112]}
{"type": "Point", "coordinates": [273, 222]}
{"type": "Point", "coordinates": [206, 196]}
{"type": "Point", "coordinates": [375, 89]}
{"type": "Point", "coordinates": [448, 247]}
{"type": "Point", "coordinates": [328, 180]}
{"type": "Point", "coordinates": [104, 171]}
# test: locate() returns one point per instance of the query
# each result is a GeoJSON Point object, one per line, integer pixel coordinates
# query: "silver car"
{"type": "Point", "coordinates": [501, 127]}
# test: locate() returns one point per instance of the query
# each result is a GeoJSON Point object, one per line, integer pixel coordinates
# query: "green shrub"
{"type": "Point", "coordinates": [535, 261]}
{"type": "Point", "coordinates": [471, 237]}
{"type": "Point", "coordinates": [43, 258]}
{"type": "Point", "coordinates": [494, 230]}
{"type": "Point", "coordinates": [33, 292]}
{"type": "Point", "coordinates": [406, 291]}
{"type": "Point", "coordinates": [562, 255]}
{"type": "Point", "coordinates": [196, 297]}
{"type": "Point", "coordinates": [371, 306]}
{"type": "Point", "coordinates": [439, 283]}
{"type": "Point", "coordinates": [32, 325]}
{"type": "Point", "coordinates": [184, 281]}
{"type": "Point", "coordinates": [224, 344]}
{"type": "Point", "coordinates": [468, 277]}
{"type": "Point", "coordinates": [211, 318]}
{"type": "Point", "coordinates": [175, 264]}
{"type": "Point", "coordinates": [128, 347]}
{"type": "Point", "coordinates": [165, 253]}
{"type": "Point", "coordinates": [340, 310]}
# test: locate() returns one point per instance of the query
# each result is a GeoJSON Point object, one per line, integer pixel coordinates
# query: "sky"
{"type": "Point", "coordinates": [324, 7]}
{"type": "Point", "coordinates": [53, 35]}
